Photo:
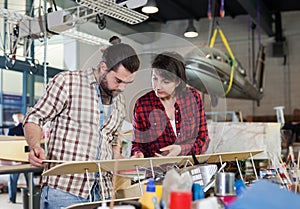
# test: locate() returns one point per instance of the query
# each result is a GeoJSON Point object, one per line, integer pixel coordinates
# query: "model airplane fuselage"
{"type": "Point", "coordinates": [209, 71]}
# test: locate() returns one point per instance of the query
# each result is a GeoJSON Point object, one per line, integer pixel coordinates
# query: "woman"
{"type": "Point", "coordinates": [170, 119]}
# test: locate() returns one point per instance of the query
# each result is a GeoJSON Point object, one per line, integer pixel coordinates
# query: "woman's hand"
{"type": "Point", "coordinates": [138, 155]}
{"type": "Point", "coordinates": [173, 150]}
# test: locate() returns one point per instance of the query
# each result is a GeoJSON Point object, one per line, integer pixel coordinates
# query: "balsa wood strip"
{"type": "Point", "coordinates": [11, 138]}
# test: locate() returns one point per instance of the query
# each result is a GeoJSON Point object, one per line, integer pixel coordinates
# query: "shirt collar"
{"type": "Point", "coordinates": [90, 76]}
{"type": "Point", "coordinates": [179, 98]}
{"type": "Point", "coordinates": [155, 99]}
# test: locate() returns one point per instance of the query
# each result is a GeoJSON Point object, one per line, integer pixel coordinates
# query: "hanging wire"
{"type": "Point", "coordinates": [258, 24]}
{"type": "Point", "coordinates": [222, 9]}
{"type": "Point", "coordinates": [249, 48]}
{"type": "Point", "coordinates": [211, 20]}
{"type": "Point", "coordinates": [254, 80]}
{"type": "Point", "coordinates": [209, 9]}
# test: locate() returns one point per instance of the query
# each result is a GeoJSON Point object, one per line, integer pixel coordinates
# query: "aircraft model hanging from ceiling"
{"type": "Point", "coordinates": [211, 71]}
{"type": "Point", "coordinates": [220, 74]}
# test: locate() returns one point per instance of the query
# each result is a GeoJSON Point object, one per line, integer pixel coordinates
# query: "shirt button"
{"type": "Point", "coordinates": [176, 121]}
{"type": "Point", "coordinates": [155, 124]}
{"type": "Point", "coordinates": [178, 134]}
{"type": "Point", "coordinates": [176, 111]}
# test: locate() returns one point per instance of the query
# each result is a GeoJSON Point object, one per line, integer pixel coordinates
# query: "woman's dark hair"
{"type": "Point", "coordinates": [123, 54]}
{"type": "Point", "coordinates": [170, 65]}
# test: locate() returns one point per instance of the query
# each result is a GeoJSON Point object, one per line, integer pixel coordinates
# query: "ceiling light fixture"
{"type": "Point", "coordinates": [191, 31]}
{"type": "Point", "coordinates": [112, 9]}
{"type": "Point", "coordinates": [150, 7]}
{"type": "Point", "coordinates": [84, 37]}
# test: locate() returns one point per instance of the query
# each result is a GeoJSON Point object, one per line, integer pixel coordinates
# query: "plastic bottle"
{"type": "Point", "coordinates": [146, 200]}
{"type": "Point", "coordinates": [181, 200]}
{"type": "Point", "coordinates": [198, 192]}
{"type": "Point", "coordinates": [240, 187]}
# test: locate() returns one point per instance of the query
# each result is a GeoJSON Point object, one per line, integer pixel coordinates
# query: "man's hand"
{"type": "Point", "coordinates": [173, 150]}
{"type": "Point", "coordinates": [36, 156]}
{"type": "Point", "coordinates": [33, 135]}
{"type": "Point", "coordinates": [117, 152]}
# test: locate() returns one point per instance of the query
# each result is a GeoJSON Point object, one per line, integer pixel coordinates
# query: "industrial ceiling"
{"type": "Point", "coordinates": [270, 10]}
{"type": "Point", "coordinates": [266, 13]}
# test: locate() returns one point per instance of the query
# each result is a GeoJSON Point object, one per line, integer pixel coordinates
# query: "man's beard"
{"type": "Point", "coordinates": [106, 89]}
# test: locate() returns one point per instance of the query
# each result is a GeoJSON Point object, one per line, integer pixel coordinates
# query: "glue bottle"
{"type": "Point", "coordinates": [147, 199]}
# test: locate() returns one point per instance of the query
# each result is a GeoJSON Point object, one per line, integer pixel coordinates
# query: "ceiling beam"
{"type": "Point", "coordinates": [24, 66]}
{"type": "Point", "coordinates": [181, 7]}
{"type": "Point", "coordinates": [266, 19]}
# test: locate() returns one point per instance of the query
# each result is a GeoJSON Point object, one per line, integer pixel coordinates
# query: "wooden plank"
{"type": "Point", "coordinates": [13, 150]}
{"type": "Point", "coordinates": [19, 168]}
{"type": "Point", "coordinates": [11, 138]}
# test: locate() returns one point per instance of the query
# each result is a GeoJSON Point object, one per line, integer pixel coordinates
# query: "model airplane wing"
{"type": "Point", "coordinates": [125, 164]}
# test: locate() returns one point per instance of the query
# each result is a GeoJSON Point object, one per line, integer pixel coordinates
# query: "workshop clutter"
{"type": "Point", "coordinates": [225, 191]}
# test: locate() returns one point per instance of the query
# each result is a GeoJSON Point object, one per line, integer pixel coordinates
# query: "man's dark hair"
{"type": "Point", "coordinates": [123, 54]}
{"type": "Point", "coordinates": [114, 40]}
